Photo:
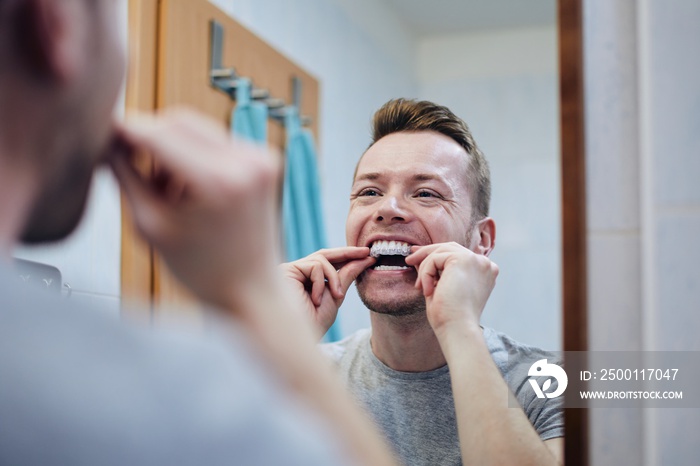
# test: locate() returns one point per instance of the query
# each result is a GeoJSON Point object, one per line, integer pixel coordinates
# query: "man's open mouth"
{"type": "Point", "coordinates": [391, 255]}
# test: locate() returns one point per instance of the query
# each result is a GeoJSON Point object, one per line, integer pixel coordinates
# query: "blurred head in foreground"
{"type": "Point", "coordinates": [61, 66]}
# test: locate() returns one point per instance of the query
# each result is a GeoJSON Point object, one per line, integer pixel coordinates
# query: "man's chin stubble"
{"type": "Point", "coordinates": [401, 308]}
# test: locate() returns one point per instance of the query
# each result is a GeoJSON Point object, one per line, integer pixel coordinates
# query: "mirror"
{"type": "Point", "coordinates": [495, 65]}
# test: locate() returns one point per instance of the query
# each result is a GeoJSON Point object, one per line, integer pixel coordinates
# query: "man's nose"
{"type": "Point", "coordinates": [391, 210]}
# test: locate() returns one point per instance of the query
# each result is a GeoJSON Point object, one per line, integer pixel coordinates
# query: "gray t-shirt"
{"type": "Point", "coordinates": [416, 409]}
{"type": "Point", "coordinates": [79, 388]}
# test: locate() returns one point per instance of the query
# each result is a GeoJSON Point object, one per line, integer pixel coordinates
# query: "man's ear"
{"type": "Point", "coordinates": [49, 37]}
{"type": "Point", "coordinates": [486, 229]}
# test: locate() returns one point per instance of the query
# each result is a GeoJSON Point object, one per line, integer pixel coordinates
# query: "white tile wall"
{"type": "Point", "coordinates": [672, 94]}
{"type": "Point", "coordinates": [624, 426]}
{"type": "Point", "coordinates": [613, 211]}
{"type": "Point", "coordinates": [485, 54]}
{"type": "Point", "coordinates": [676, 433]}
{"type": "Point", "coordinates": [677, 274]}
{"type": "Point", "coordinates": [611, 117]}
{"type": "Point", "coordinates": [614, 284]}
{"type": "Point", "coordinates": [674, 69]}
{"type": "Point", "coordinates": [643, 138]}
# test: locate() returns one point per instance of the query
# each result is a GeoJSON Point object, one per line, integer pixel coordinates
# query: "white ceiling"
{"type": "Point", "coordinates": [433, 17]}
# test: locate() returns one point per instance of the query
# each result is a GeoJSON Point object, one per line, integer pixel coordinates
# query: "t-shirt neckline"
{"type": "Point", "coordinates": [388, 371]}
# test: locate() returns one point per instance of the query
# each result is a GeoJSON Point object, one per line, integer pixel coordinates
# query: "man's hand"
{"type": "Point", "coordinates": [209, 205]}
{"type": "Point", "coordinates": [456, 283]}
{"type": "Point", "coordinates": [209, 208]}
{"type": "Point", "coordinates": [322, 279]}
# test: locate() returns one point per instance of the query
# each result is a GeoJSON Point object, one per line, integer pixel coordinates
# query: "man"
{"type": "Point", "coordinates": [419, 237]}
{"type": "Point", "coordinates": [79, 389]}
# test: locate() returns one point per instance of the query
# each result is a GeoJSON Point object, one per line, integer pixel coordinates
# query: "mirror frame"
{"type": "Point", "coordinates": [573, 179]}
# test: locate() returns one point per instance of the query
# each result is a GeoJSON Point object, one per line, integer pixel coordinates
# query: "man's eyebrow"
{"type": "Point", "coordinates": [426, 177]}
{"type": "Point", "coordinates": [373, 176]}
{"type": "Point", "coordinates": [368, 176]}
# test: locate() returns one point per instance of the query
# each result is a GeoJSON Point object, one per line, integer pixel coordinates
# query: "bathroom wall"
{"type": "Point", "coordinates": [643, 166]}
{"type": "Point", "coordinates": [90, 259]}
{"type": "Point", "coordinates": [504, 83]}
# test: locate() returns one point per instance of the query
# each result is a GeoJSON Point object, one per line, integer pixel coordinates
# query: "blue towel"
{"type": "Point", "coordinates": [249, 119]}
{"type": "Point", "coordinates": [302, 216]}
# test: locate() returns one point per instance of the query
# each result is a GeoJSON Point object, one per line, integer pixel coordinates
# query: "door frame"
{"type": "Point", "coordinates": [573, 179]}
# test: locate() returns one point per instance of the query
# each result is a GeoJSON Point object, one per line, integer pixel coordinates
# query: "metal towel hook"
{"type": "Point", "coordinates": [225, 79]}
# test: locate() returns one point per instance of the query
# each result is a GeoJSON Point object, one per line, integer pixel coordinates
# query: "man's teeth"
{"type": "Point", "coordinates": [391, 267]}
{"type": "Point", "coordinates": [389, 248]}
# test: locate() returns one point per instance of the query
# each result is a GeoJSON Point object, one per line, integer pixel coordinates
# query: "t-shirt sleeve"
{"type": "Point", "coordinates": [514, 360]}
{"type": "Point", "coordinates": [545, 414]}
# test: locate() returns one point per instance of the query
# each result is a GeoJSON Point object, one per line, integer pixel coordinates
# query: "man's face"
{"type": "Point", "coordinates": [77, 140]}
{"type": "Point", "coordinates": [410, 187]}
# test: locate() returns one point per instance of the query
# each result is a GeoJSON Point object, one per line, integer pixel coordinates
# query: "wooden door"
{"type": "Point", "coordinates": [178, 48]}
{"type": "Point", "coordinates": [136, 255]}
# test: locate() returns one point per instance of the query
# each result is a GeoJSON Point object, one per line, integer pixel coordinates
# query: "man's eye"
{"type": "Point", "coordinates": [426, 194]}
{"type": "Point", "coordinates": [368, 192]}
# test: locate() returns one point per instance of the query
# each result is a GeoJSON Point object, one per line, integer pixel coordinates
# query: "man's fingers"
{"type": "Point", "coordinates": [427, 276]}
{"type": "Point", "coordinates": [333, 280]}
{"type": "Point", "coordinates": [188, 145]}
{"type": "Point", "coordinates": [171, 151]}
{"type": "Point", "coordinates": [323, 271]}
{"type": "Point", "coordinates": [318, 284]}
{"type": "Point", "coordinates": [147, 130]}
{"type": "Point", "coordinates": [419, 253]}
{"type": "Point", "coordinates": [430, 270]}
{"type": "Point", "coordinates": [350, 271]}
{"type": "Point", "coordinates": [143, 202]}
{"type": "Point", "coordinates": [129, 179]}
{"type": "Point", "coordinates": [320, 269]}
{"type": "Point", "coordinates": [345, 254]}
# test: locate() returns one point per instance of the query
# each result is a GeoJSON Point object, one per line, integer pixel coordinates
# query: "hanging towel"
{"type": "Point", "coordinates": [249, 118]}
{"type": "Point", "coordinates": [302, 217]}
